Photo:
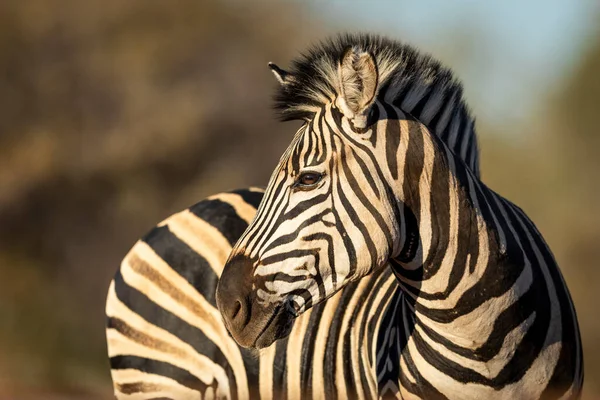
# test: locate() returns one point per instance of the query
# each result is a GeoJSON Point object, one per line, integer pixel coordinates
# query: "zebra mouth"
{"type": "Point", "coordinates": [278, 326]}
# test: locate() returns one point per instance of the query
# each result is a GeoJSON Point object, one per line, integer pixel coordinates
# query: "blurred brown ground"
{"type": "Point", "coordinates": [114, 115]}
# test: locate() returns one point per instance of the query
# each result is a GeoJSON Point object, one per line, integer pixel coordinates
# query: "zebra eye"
{"type": "Point", "coordinates": [308, 179]}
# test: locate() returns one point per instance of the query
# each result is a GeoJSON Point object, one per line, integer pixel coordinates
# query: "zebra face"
{"type": "Point", "coordinates": [327, 219]}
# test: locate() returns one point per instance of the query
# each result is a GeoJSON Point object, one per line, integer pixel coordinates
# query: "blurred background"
{"type": "Point", "coordinates": [114, 115]}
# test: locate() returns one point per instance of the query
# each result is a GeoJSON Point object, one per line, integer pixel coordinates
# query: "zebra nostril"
{"type": "Point", "coordinates": [238, 311]}
{"type": "Point", "coordinates": [237, 307]}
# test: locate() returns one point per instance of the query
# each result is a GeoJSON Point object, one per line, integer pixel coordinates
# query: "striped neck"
{"type": "Point", "coordinates": [441, 231]}
{"type": "Point", "coordinates": [483, 299]}
{"type": "Point", "coordinates": [444, 243]}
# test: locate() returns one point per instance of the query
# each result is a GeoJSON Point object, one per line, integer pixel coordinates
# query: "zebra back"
{"type": "Point", "coordinates": [165, 335]}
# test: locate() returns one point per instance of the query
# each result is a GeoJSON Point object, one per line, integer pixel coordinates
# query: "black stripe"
{"type": "Point", "coordinates": [251, 197]}
{"type": "Point", "coordinates": [308, 350]}
{"type": "Point", "coordinates": [445, 102]}
{"type": "Point", "coordinates": [372, 122]}
{"type": "Point", "coordinates": [368, 323]}
{"type": "Point", "coordinates": [308, 145]}
{"type": "Point", "coordinates": [291, 237]}
{"type": "Point", "coordinates": [251, 364]}
{"type": "Point", "coordinates": [462, 131]}
{"type": "Point", "coordinates": [330, 361]}
{"type": "Point", "coordinates": [280, 370]}
{"type": "Point", "coordinates": [392, 142]}
{"type": "Point", "coordinates": [348, 245]}
{"type": "Point", "coordinates": [439, 206]}
{"type": "Point", "coordinates": [401, 96]}
{"type": "Point", "coordinates": [391, 352]}
{"type": "Point", "coordinates": [161, 368]}
{"type": "Point", "coordinates": [366, 172]}
{"type": "Point", "coordinates": [420, 106]}
{"type": "Point", "coordinates": [470, 149]}
{"type": "Point", "coordinates": [466, 244]}
{"type": "Point", "coordinates": [169, 322]}
{"type": "Point", "coordinates": [300, 208]}
{"type": "Point", "coordinates": [184, 260]}
{"type": "Point", "coordinates": [422, 387]}
{"type": "Point", "coordinates": [279, 257]}
{"type": "Point", "coordinates": [222, 216]}
{"type": "Point", "coordinates": [269, 205]}
{"type": "Point", "coordinates": [322, 154]}
{"type": "Point", "coordinates": [506, 321]}
{"type": "Point", "coordinates": [462, 177]}
{"type": "Point", "coordinates": [445, 136]}
{"type": "Point", "coordinates": [368, 204]}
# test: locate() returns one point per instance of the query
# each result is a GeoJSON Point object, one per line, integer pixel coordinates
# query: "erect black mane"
{"type": "Point", "coordinates": [412, 81]}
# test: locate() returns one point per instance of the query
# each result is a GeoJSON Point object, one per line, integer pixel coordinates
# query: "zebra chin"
{"type": "Point", "coordinates": [278, 326]}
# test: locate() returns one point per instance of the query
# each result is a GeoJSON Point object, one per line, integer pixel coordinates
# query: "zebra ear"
{"type": "Point", "coordinates": [359, 78]}
{"type": "Point", "coordinates": [282, 76]}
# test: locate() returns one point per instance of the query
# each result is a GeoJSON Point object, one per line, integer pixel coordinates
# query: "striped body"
{"type": "Point", "coordinates": [166, 338]}
{"type": "Point", "coordinates": [376, 265]}
{"type": "Point", "coordinates": [371, 184]}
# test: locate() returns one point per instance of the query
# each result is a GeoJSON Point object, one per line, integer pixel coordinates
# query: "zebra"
{"type": "Point", "coordinates": [141, 301]}
{"type": "Point", "coordinates": [462, 297]}
{"type": "Point", "coordinates": [174, 269]}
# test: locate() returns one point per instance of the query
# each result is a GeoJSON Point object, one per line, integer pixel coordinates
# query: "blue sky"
{"type": "Point", "coordinates": [508, 53]}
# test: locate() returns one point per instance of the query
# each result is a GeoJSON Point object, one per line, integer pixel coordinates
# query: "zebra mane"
{"type": "Point", "coordinates": [412, 81]}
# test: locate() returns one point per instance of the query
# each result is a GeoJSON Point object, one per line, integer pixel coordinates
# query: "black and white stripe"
{"type": "Point", "coordinates": [413, 325]}
{"type": "Point", "coordinates": [166, 339]}
{"type": "Point", "coordinates": [382, 180]}
{"type": "Point", "coordinates": [164, 333]}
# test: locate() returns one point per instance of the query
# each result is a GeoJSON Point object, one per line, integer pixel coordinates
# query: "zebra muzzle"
{"type": "Point", "coordinates": [249, 322]}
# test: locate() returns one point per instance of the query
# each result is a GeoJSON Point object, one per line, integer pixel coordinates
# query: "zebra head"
{"type": "Point", "coordinates": [331, 213]}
